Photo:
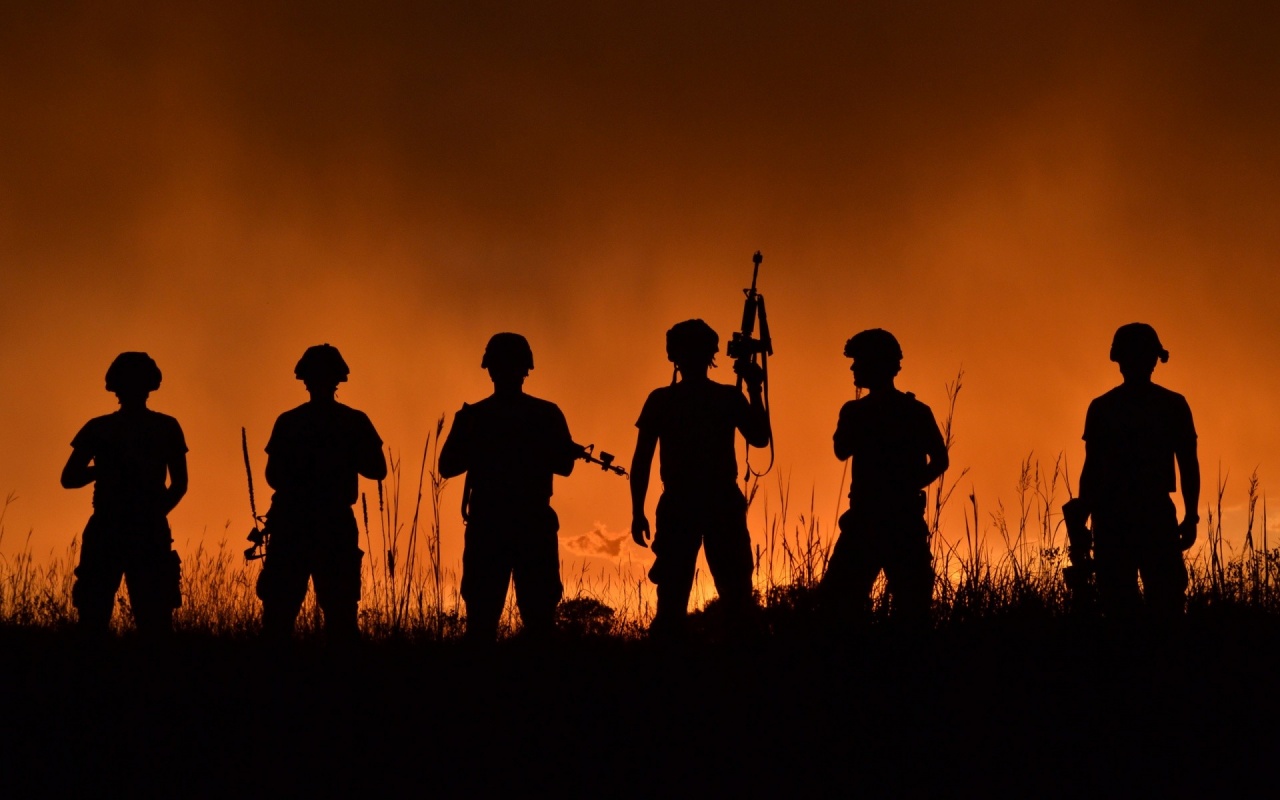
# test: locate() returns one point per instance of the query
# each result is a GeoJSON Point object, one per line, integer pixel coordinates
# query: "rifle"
{"type": "Point", "coordinates": [746, 347]}
{"type": "Point", "coordinates": [604, 460]}
{"type": "Point", "coordinates": [258, 536]}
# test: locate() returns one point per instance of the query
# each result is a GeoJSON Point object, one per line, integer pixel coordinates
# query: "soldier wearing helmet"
{"type": "Point", "coordinates": [315, 456]}
{"type": "Point", "coordinates": [1134, 435]}
{"type": "Point", "coordinates": [896, 451]}
{"type": "Point", "coordinates": [696, 420]}
{"type": "Point", "coordinates": [510, 445]}
{"type": "Point", "coordinates": [127, 456]}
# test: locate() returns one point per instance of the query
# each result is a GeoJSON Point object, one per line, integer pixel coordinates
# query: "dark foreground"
{"type": "Point", "coordinates": [993, 707]}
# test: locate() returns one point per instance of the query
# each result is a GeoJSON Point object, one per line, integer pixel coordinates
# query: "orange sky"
{"type": "Point", "coordinates": [1001, 187]}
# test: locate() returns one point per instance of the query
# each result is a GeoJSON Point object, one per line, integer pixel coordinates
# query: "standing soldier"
{"type": "Point", "coordinates": [897, 450]}
{"type": "Point", "coordinates": [127, 456]}
{"type": "Point", "coordinates": [510, 445]}
{"type": "Point", "coordinates": [314, 457]}
{"type": "Point", "coordinates": [695, 421]}
{"type": "Point", "coordinates": [1133, 435]}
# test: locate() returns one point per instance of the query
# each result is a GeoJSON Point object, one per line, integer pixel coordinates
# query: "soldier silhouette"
{"type": "Point", "coordinates": [510, 445]}
{"type": "Point", "coordinates": [896, 451]}
{"type": "Point", "coordinates": [127, 456]}
{"type": "Point", "coordinates": [1134, 434]}
{"type": "Point", "coordinates": [695, 421]}
{"type": "Point", "coordinates": [314, 457]}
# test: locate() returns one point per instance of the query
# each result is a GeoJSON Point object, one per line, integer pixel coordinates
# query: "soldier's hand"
{"type": "Point", "coordinates": [640, 530]}
{"type": "Point", "coordinates": [1187, 532]}
{"type": "Point", "coordinates": [751, 374]}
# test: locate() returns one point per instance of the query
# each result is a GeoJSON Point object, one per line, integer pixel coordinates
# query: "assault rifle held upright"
{"type": "Point", "coordinates": [258, 536]}
{"type": "Point", "coordinates": [746, 347]}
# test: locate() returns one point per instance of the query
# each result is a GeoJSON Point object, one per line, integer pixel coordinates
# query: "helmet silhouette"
{"type": "Point", "coordinates": [875, 345]}
{"type": "Point", "coordinates": [133, 371]}
{"type": "Point", "coordinates": [692, 341]}
{"type": "Point", "coordinates": [1137, 340]}
{"type": "Point", "coordinates": [322, 362]}
{"type": "Point", "coordinates": [510, 350]}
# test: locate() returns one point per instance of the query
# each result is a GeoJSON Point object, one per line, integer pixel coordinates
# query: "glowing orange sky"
{"type": "Point", "coordinates": [1001, 187]}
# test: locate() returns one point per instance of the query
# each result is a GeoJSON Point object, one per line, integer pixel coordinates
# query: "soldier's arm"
{"type": "Point", "coordinates": [1088, 475]}
{"type": "Point", "coordinates": [177, 482]}
{"type": "Point", "coordinates": [373, 465]}
{"type": "Point", "coordinates": [566, 451]}
{"type": "Point", "coordinates": [936, 450]}
{"type": "Point", "coordinates": [277, 471]}
{"type": "Point", "coordinates": [641, 468]}
{"type": "Point", "coordinates": [842, 438]}
{"type": "Point", "coordinates": [939, 461]}
{"type": "Point", "coordinates": [1189, 470]}
{"type": "Point", "coordinates": [78, 472]}
{"type": "Point", "coordinates": [755, 424]}
{"type": "Point", "coordinates": [453, 453]}
{"type": "Point", "coordinates": [372, 461]}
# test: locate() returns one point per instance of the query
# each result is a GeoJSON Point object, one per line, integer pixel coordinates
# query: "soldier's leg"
{"type": "Point", "coordinates": [536, 573]}
{"type": "Point", "coordinates": [1115, 569]}
{"type": "Point", "coordinates": [1160, 563]}
{"type": "Point", "coordinates": [727, 543]}
{"type": "Point", "coordinates": [97, 576]}
{"type": "Point", "coordinates": [845, 591]}
{"type": "Point", "coordinates": [676, 541]}
{"type": "Point", "coordinates": [154, 579]}
{"type": "Point", "coordinates": [337, 584]}
{"type": "Point", "coordinates": [909, 573]}
{"type": "Point", "coordinates": [486, 574]}
{"type": "Point", "coordinates": [1164, 582]}
{"type": "Point", "coordinates": [336, 575]}
{"type": "Point", "coordinates": [282, 583]}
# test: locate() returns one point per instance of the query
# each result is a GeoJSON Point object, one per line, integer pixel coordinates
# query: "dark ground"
{"type": "Point", "coordinates": [991, 708]}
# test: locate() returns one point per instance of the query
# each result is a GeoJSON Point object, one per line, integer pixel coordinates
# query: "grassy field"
{"type": "Point", "coordinates": [1008, 692]}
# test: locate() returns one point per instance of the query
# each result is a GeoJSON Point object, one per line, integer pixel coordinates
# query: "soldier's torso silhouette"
{"type": "Point", "coordinates": [696, 423]}
{"type": "Point", "coordinates": [133, 452]}
{"type": "Point", "coordinates": [315, 450]}
{"type": "Point", "coordinates": [315, 456]}
{"type": "Point", "coordinates": [510, 445]}
{"type": "Point", "coordinates": [890, 437]}
{"type": "Point", "coordinates": [1132, 434]}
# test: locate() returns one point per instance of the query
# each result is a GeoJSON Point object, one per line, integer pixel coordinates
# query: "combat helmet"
{"type": "Point", "coordinates": [133, 371]}
{"type": "Point", "coordinates": [692, 342]}
{"type": "Point", "coordinates": [322, 363]}
{"type": "Point", "coordinates": [1137, 340]}
{"type": "Point", "coordinates": [876, 346]}
{"type": "Point", "coordinates": [507, 350]}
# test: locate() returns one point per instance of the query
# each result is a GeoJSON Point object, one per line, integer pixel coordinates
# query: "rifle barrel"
{"type": "Point", "coordinates": [248, 471]}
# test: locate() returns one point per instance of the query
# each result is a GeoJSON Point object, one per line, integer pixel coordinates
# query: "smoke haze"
{"type": "Point", "coordinates": [999, 186]}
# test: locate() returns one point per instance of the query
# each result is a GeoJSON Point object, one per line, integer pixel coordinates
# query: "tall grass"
{"type": "Point", "coordinates": [1006, 561]}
